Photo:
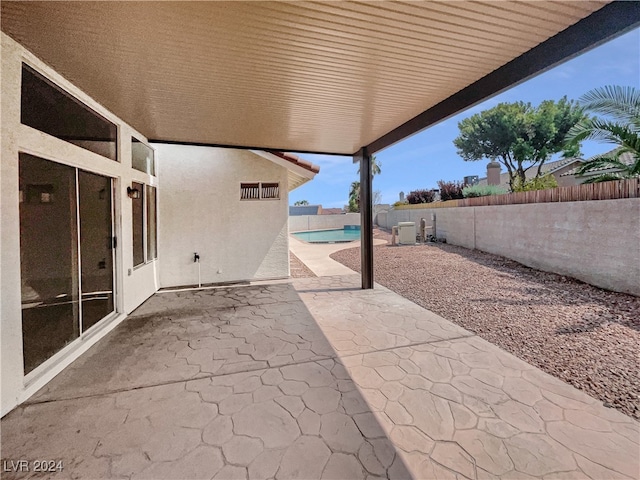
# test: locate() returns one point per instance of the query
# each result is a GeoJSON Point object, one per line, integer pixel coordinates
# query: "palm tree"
{"type": "Point", "coordinates": [375, 167]}
{"type": "Point", "coordinates": [354, 191]}
{"type": "Point", "coordinates": [354, 197]}
{"type": "Point", "coordinates": [620, 107]}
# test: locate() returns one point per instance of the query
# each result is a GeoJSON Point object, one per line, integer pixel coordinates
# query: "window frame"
{"type": "Point", "coordinates": [148, 237]}
{"type": "Point", "coordinates": [146, 187]}
{"type": "Point", "coordinates": [113, 127]}
{"type": "Point", "coordinates": [151, 169]}
{"type": "Point", "coordinates": [143, 238]}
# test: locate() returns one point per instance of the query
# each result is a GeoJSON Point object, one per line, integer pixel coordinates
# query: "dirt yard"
{"type": "Point", "coordinates": [582, 334]}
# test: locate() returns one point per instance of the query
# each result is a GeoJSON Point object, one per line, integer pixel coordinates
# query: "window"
{"type": "Point", "coordinates": [152, 224]}
{"type": "Point", "coordinates": [259, 191]}
{"type": "Point", "coordinates": [48, 108]}
{"type": "Point", "coordinates": [142, 157]}
{"type": "Point", "coordinates": [145, 223]}
{"type": "Point", "coordinates": [137, 206]}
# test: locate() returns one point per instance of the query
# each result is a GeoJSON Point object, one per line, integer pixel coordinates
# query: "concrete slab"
{"type": "Point", "coordinates": [316, 255]}
{"type": "Point", "coordinates": [372, 386]}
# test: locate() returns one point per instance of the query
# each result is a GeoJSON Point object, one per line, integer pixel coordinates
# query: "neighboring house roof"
{"type": "Point", "coordinates": [300, 170]}
{"type": "Point", "coordinates": [548, 167]}
{"type": "Point", "coordinates": [295, 210]}
{"type": "Point", "coordinates": [627, 158]}
{"type": "Point", "coordinates": [331, 211]}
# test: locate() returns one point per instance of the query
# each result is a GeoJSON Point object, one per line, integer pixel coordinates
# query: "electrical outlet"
{"type": "Point", "coordinates": [219, 270]}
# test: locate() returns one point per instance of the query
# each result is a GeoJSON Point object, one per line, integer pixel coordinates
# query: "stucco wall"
{"type": "Point", "coordinates": [300, 223]}
{"type": "Point", "coordinates": [597, 242]}
{"type": "Point", "coordinates": [200, 211]}
{"type": "Point", "coordinates": [131, 290]}
{"type": "Point", "coordinates": [569, 180]}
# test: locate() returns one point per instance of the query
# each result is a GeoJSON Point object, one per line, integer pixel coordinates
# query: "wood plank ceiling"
{"type": "Point", "coordinates": [298, 76]}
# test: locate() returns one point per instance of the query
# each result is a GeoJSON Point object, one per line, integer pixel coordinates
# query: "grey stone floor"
{"type": "Point", "coordinates": [313, 379]}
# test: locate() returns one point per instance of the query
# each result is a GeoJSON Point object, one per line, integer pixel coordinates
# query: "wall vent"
{"type": "Point", "coordinates": [259, 191]}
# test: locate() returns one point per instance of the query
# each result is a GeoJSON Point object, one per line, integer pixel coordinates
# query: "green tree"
{"type": "Point", "coordinates": [620, 125]}
{"type": "Point", "coordinates": [541, 183]}
{"type": "Point", "coordinates": [301, 202]}
{"type": "Point", "coordinates": [518, 135]}
{"type": "Point", "coordinates": [354, 189]}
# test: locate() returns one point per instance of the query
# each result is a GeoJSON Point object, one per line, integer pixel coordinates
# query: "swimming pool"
{"type": "Point", "coordinates": [347, 234]}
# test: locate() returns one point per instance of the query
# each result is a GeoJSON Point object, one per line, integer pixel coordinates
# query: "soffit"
{"type": "Point", "coordinates": [297, 76]}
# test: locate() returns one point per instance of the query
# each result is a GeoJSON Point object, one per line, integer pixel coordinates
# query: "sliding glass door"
{"type": "Point", "coordinates": [96, 250]}
{"type": "Point", "coordinates": [66, 255]}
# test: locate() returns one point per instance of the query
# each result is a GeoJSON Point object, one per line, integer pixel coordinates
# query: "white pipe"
{"type": "Point", "coordinates": [199, 276]}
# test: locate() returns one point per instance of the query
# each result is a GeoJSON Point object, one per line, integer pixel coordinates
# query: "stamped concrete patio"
{"type": "Point", "coordinates": [310, 379]}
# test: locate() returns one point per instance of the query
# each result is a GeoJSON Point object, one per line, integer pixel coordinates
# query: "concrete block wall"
{"type": "Point", "coordinates": [300, 223]}
{"type": "Point", "coordinates": [597, 242]}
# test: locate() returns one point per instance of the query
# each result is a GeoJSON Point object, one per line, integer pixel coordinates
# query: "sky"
{"type": "Point", "coordinates": [418, 162]}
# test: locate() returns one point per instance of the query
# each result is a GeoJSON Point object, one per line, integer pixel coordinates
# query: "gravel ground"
{"type": "Point", "coordinates": [582, 334]}
{"type": "Point", "coordinates": [299, 269]}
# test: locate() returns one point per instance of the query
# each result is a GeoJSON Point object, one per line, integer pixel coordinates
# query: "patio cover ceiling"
{"type": "Point", "coordinates": [326, 77]}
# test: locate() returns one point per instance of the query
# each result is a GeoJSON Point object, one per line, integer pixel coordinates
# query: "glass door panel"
{"type": "Point", "coordinates": [96, 248]}
{"type": "Point", "coordinates": [48, 258]}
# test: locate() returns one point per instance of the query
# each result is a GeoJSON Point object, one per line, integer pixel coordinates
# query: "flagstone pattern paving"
{"type": "Point", "coordinates": [395, 392]}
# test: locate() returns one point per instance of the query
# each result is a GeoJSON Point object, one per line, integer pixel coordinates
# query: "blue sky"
{"type": "Point", "coordinates": [420, 161]}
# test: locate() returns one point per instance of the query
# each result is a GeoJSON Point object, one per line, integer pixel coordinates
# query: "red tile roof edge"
{"type": "Point", "coordinates": [290, 157]}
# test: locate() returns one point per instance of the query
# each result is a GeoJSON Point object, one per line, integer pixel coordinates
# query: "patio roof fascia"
{"type": "Point", "coordinates": [612, 20]}
{"type": "Point", "coordinates": [245, 147]}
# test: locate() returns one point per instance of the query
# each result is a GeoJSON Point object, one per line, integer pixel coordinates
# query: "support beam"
{"type": "Point", "coordinates": [366, 217]}
{"type": "Point", "coordinates": [610, 21]}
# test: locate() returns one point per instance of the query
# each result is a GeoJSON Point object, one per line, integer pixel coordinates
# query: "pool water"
{"type": "Point", "coordinates": [348, 234]}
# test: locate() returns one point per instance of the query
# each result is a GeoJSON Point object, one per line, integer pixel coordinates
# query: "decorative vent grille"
{"type": "Point", "coordinates": [259, 191]}
{"type": "Point", "coordinates": [249, 191]}
{"type": "Point", "coordinates": [270, 190]}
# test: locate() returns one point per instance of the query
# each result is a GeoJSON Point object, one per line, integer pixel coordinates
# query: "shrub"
{"type": "Point", "coordinates": [541, 183]}
{"type": "Point", "coordinates": [450, 190]}
{"type": "Point", "coordinates": [420, 196]}
{"type": "Point", "coordinates": [398, 203]}
{"type": "Point", "coordinates": [482, 190]}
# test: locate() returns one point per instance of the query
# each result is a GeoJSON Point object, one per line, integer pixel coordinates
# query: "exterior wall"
{"type": "Point", "coordinates": [392, 217]}
{"type": "Point", "coordinates": [457, 227]}
{"type": "Point", "coordinates": [569, 180]}
{"type": "Point", "coordinates": [302, 223]}
{"type": "Point", "coordinates": [200, 211]}
{"type": "Point", "coordinates": [131, 290]}
{"type": "Point", "coordinates": [596, 241]}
